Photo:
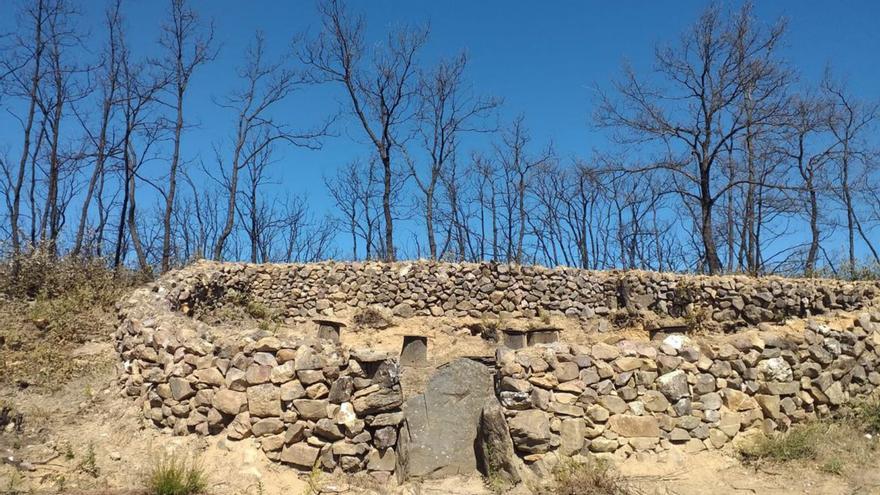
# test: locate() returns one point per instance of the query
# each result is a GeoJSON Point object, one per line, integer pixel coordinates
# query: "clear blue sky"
{"type": "Point", "coordinates": [543, 58]}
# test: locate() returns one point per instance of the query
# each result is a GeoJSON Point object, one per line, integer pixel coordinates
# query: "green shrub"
{"type": "Point", "coordinates": [173, 475]}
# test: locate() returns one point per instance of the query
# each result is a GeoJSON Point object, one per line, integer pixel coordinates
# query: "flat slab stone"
{"type": "Point", "coordinates": [439, 433]}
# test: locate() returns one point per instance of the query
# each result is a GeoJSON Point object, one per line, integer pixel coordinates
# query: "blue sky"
{"type": "Point", "coordinates": [542, 58]}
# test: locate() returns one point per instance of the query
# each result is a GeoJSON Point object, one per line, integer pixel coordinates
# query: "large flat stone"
{"type": "Point", "coordinates": [439, 433]}
{"type": "Point", "coordinates": [630, 426]}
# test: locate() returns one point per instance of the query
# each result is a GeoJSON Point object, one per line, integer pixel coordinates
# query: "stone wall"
{"type": "Point", "coordinates": [492, 290]}
{"type": "Point", "coordinates": [312, 402]}
{"type": "Point", "coordinates": [306, 401]}
{"type": "Point", "coordinates": [649, 396]}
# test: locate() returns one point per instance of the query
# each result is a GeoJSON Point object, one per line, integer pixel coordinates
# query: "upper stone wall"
{"type": "Point", "coordinates": [481, 290]}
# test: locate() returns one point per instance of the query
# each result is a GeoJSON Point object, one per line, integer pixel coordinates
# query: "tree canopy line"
{"type": "Point", "coordinates": [723, 159]}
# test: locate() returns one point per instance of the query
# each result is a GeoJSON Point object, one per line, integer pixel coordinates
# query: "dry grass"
{"type": "Point", "coordinates": [840, 447]}
{"type": "Point", "coordinates": [175, 475]}
{"type": "Point", "coordinates": [49, 308]}
{"type": "Point", "coordinates": [589, 476]}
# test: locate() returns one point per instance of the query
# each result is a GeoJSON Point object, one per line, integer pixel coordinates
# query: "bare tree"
{"type": "Point", "coordinates": [109, 81]}
{"type": "Point", "coordinates": [138, 95]}
{"type": "Point", "coordinates": [24, 67]}
{"type": "Point", "coordinates": [718, 64]}
{"type": "Point", "coordinates": [187, 46]}
{"type": "Point", "coordinates": [518, 167]}
{"type": "Point", "coordinates": [265, 85]}
{"type": "Point", "coordinates": [356, 190]}
{"type": "Point", "coordinates": [447, 109]}
{"type": "Point", "coordinates": [803, 144]}
{"type": "Point", "coordinates": [850, 123]}
{"type": "Point", "coordinates": [381, 91]}
{"type": "Point", "coordinates": [60, 88]}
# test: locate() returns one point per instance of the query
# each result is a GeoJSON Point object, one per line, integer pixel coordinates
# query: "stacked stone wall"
{"type": "Point", "coordinates": [306, 401]}
{"type": "Point", "coordinates": [499, 290]}
{"type": "Point", "coordinates": [312, 402]}
{"type": "Point", "coordinates": [648, 396]}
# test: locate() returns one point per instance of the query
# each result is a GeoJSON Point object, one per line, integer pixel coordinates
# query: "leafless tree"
{"type": "Point", "coordinates": [518, 167]}
{"type": "Point", "coordinates": [265, 84]}
{"type": "Point", "coordinates": [381, 90]}
{"type": "Point", "coordinates": [447, 110]}
{"type": "Point", "coordinates": [187, 45]}
{"type": "Point", "coordinates": [803, 144]}
{"type": "Point", "coordinates": [23, 64]}
{"type": "Point", "coordinates": [109, 81]}
{"type": "Point", "coordinates": [60, 88]}
{"type": "Point", "coordinates": [851, 121]}
{"type": "Point", "coordinates": [722, 79]}
{"type": "Point", "coordinates": [356, 190]}
{"type": "Point", "coordinates": [138, 90]}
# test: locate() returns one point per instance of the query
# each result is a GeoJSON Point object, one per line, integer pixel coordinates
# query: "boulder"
{"type": "Point", "coordinates": [264, 400]}
{"type": "Point", "coordinates": [530, 431]}
{"type": "Point", "coordinates": [674, 385]}
{"type": "Point", "coordinates": [229, 402]}
{"type": "Point", "coordinates": [300, 455]}
{"type": "Point", "coordinates": [630, 426]}
{"type": "Point", "coordinates": [380, 399]}
{"type": "Point", "coordinates": [439, 431]}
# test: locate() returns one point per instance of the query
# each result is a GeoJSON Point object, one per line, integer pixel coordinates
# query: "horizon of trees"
{"type": "Point", "coordinates": [724, 159]}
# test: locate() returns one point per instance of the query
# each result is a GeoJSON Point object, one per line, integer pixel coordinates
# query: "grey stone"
{"type": "Point", "coordinates": [530, 431]}
{"type": "Point", "coordinates": [496, 447]}
{"type": "Point", "coordinates": [440, 425]}
{"type": "Point", "coordinates": [674, 385]}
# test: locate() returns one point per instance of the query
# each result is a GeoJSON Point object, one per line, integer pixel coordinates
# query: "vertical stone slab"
{"type": "Point", "coordinates": [440, 429]}
{"type": "Point", "coordinates": [514, 339]}
{"type": "Point", "coordinates": [414, 351]}
{"type": "Point", "coordinates": [330, 330]}
{"type": "Point", "coordinates": [543, 336]}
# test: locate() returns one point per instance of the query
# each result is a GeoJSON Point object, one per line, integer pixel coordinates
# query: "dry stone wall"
{"type": "Point", "coordinates": [491, 290]}
{"type": "Point", "coordinates": [648, 396]}
{"type": "Point", "coordinates": [308, 402]}
{"type": "Point", "coordinates": [312, 402]}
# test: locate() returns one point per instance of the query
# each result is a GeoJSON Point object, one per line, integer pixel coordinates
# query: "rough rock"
{"type": "Point", "coordinates": [440, 426]}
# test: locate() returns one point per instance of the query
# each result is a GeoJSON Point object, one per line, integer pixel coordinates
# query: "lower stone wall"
{"type": "Point", "coordinates": [648, 396]}
{"type": "Point", "coordinates": [308, 402]}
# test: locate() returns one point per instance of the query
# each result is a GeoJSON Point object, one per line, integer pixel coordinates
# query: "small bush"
{"type": "Point", "coordinates": [867, 415]}
{"type": "Point", "coordinates": [798, 443]}
{"type": "Point", "coordinates": [833, 466]}
{"type": "Point", "coordinates": [590, 477]}
{"type": "Point", "coordinates": [173, 475]}
{"type": "Point", "coordinates": [89, 464]}
{"type": "Point", "coordinates": [39, 274]}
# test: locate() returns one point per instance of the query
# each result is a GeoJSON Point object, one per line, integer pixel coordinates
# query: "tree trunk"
{"type": "Point", "coordinates": [172, 184]}
{"type": "Point", "coordinates": [25, 151]}
{"type": "Point", "coordinates": [96, 173]}
{"type": "Point", "coordinates": [233, 190]}
{"type": "Point", "coordinates": [130, 162]}
{"type": "Point", "coordinates": [386, 207]}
